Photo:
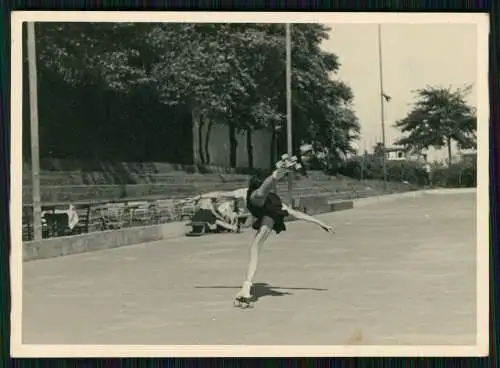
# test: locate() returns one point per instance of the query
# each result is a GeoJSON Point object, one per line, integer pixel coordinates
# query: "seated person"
{"type": "Point", "coordinates": [208, 214]}
{"type": "Point", "coordinates": [228, 209]}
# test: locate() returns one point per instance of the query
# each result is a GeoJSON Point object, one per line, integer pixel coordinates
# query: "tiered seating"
{"type": "Point", "coordinates": [125, 180]}
{"type": "Point", "coordinates": [157, 180]}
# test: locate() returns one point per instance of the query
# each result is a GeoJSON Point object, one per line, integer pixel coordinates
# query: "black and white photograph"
{"type": "Point", "coordinates": [249, 184]}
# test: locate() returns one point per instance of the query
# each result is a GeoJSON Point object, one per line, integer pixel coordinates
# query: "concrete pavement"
{"type": "Point", "coordinates": [398, 272]}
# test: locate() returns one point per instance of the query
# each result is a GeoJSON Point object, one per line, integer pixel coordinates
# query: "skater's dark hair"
{"type": "Point", "coordinates": [255, 182]}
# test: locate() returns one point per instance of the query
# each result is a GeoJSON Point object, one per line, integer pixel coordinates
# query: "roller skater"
{"type": "Point", "coordinates": [269, 214]}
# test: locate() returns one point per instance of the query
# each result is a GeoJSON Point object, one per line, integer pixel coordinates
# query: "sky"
{"type": "Point", "coordinates": [414, 55]}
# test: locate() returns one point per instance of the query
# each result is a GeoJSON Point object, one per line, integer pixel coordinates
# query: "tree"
{"type": "Point", "coordinates": [231, 74]}
{"type": "Point", "coordinates": [112, 55]}
{"type": "Point", "coordinates": [96, 90]}
{"type": "Point", "coordinates": [378, 150]}
{"type": "Point", "coordinates": [322, 113]}
{"type": "Point", "coordinates": [439, 117]}
{"type": "Point", "coordinates": [235, 74]}
{"type": "Point", "coordinates": [185, 64]}
{"type": "Point", "coordinates": [326, 104]}
{"type": "Point", "coordinates": [200, 68]}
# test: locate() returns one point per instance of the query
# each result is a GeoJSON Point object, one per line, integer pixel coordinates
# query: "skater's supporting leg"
{"type": "Point", "coordinates": [256, 247]}
{"type": "Point", "coordinates": [253, 262]}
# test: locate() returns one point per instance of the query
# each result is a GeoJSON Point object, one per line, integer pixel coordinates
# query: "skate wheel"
{"type": "Point", "coordinates": [242, 303]}
{"type": "Point", "coordinates": [244, 306]}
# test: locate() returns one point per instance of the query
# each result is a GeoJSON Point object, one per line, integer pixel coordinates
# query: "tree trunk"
{"type": "Point", "coordinates": [198, 121]}
{"type": "Point", "coordinates": [448, 142]}
{"type": "Point", "coordinates": [362, 174]}
{"type": "Point", "coordinates": [233, 144]}
{"type": "Point", "coordinates": [273, 149]}
{"type": "Point", "coordinates": [249, 148]}
{"type": "Point", "coordinates": [207, 141]}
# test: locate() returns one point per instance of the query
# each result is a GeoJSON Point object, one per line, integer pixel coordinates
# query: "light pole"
{"type": "Point", "coordinates": [382, 112]}
{"type": "Point", "coordinates": [35, 154]}
{"type": "Point", "coordinates": [289, 105]}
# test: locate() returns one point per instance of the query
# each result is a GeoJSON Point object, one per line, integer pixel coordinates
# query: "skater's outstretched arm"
{"type": "Point", "coordinates": [305, 217]}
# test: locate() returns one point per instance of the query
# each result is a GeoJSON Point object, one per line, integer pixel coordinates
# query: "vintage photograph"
{"type": "Point", "coordinates": [250, 183]}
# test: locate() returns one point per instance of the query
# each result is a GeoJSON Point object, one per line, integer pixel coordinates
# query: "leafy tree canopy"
{"type": "Point", "coordinates": [230, 73]}
{"type": "Point", "coordinates": [439, 117]}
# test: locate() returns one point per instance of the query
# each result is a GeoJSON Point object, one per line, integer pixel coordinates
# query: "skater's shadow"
{"type": "Point", "coordinates": [260, 290]}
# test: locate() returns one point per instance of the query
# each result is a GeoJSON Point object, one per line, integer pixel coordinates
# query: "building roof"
{"type": "Point", "coordinates": [395, 149]}
{"type": "Point", "coordinates": [467, 153]}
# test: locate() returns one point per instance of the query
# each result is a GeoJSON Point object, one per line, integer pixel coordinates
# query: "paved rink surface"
{"type": "Point", "coordinates": [400, 272]}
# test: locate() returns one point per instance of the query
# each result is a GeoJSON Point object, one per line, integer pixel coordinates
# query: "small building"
{"type": "Point", "coordinates": [468, 156]}
{"type": "Point", "coordinates": [403, 154]}
{"type": "Point", "coordinates": [396, 154]}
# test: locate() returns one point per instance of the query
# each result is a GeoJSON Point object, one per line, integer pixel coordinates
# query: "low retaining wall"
{"type": "Point", "coordinates": [61, 246]}
{"type": "Point", "coordinates": [321, 204]}
{"type": "Point", "coordinates": [451, 191]}
{"type": "Point", "coordinates": [361, 202]}
{"type": "Point", "coordinates": [413, 194]}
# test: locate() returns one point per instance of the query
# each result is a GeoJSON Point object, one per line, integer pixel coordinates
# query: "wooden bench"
{"type": "Point", "coordinates": [340, 205]}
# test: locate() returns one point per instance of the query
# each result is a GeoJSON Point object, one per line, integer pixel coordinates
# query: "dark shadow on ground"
{"type": "Point", "coordinates": [260, 290]}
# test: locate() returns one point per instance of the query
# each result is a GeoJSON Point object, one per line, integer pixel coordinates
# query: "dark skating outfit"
{"type": "Point", "coordinates": [272, 208]}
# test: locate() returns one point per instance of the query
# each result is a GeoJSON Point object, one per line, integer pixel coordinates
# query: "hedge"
{"type": "Point", "coordinates": [461, 174]}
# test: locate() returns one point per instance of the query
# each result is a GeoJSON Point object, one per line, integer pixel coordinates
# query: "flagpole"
{"type": "Point", "coordinates": [382, 112]}
{"type": "Point", "coordinates": [35, 155]}
{"type": "Point", "coordinates": [289, 106]}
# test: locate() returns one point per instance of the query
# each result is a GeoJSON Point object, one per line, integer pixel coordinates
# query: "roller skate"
{"type": "Point", "coordinates": [244, 298]}
{"type": "Point", "coordinates": [286, 165]}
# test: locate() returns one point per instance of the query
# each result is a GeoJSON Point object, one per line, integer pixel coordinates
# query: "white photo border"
{"type": "Point", "coordinates": [18, 349]}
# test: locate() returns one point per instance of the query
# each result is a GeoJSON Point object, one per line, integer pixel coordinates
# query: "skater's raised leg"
{"type": "Point", "coordinates": [259, 195]}
{"type": "Point", "coordinates": [261, 189]}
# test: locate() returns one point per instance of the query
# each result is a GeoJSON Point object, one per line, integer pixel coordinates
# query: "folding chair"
{"type": "Point", "coordinates": [142, 214]}
{"type": "Point", "coordinates": [113, 216]}
{"type": "Point", "coordinates": [165, 211]}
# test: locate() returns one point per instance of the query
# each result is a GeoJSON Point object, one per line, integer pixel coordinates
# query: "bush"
{"type": "Point", "coordinates": [459, 175]}
{"type": "Point", "coordinates": [369, 167]}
